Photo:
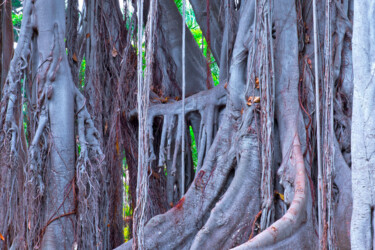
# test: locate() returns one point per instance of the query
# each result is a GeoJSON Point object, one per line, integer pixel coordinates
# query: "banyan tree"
{"type": "Point", "coordinates": [226, 124]}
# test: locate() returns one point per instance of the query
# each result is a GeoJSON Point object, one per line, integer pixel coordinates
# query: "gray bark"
{"type": "Point", "coordinates": [170, 28]}
{"type": "Point", "coordinates": [55, 192]}
{"type": "Point", "coordinates": [363, 125]}
{"type": "Point", "coordinates": [220, 209]}
{"type": "Point", "coordinates": [6, 46]}
{"type": "Point", "coordinates": [60, 174]}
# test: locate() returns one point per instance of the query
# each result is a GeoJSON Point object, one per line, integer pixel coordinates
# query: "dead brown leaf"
{"type": "Point", "coordinates": [114, 52]}
{"type": "Point", "coordinates": [256, 82]}
{"type": "Point", "coordinates": [253, 99]}
{"type": "Point", "coordinates": [75, 57]}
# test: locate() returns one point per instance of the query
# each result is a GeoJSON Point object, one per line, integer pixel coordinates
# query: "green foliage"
{"type": "Point", "coordinates": [128, 19]}
{"type": "Point", "coordinates": [127, 235]}
{"type": "Point", "coordinates": [17, 20]}
{"type": "Point", "coordinates": [16, 17]}
{"type": "Point", "coordinates": [82, 70]}
{"type": "Point", "coordinates": [127, 210]}
{"type": "Point", "coordinates": [215, 71]}
{"type": "Point", "coordinates": [143, 58]}
{"type": "Point", "coordinates": [24, 111]}
{"type": "Point", "coordinates": [193, 148]}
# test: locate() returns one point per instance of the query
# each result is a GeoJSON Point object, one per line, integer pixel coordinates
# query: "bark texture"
{"type": "Point", "coordinates": [362, 146]}
{"type": "Point", "coordinates": [47, 186]}
{"type": "Point", "coordinates": [66, 138]}
{"type": "Point", "coordinates": [273, 43]}
{"type": "Point", "coordinates": [6, 40]}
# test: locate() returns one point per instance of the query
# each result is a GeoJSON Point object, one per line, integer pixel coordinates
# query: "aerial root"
{"type": "Point", "coordinates": [17, 69]}
{"type": "Point", "coordinates": [89, 137]}
{"type": "Point", "coordinates": [88, 174]}
{"type": "Point", "coordinates": [207, 103]}
{"type": "Point", "coordinates": [36, 152]}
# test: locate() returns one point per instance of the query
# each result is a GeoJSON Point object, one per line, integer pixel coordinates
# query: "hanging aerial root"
{"type": "Point", "coordinates": [36, 153]}
{"type": "Point", "coordinates": [177, 146]}
{"type": "Point", "coordinates": [12, 145]}
{"type": "Point", "coordinates": [18, 65]}
{"type": "Point", "coordinates": [206, 103]}
{"type": "Point", "coordinates": [167, 122]}
{"type": "Point", "coordinates": [89, 174]}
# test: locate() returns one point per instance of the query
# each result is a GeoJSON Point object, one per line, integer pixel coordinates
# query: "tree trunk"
{"type": "Point", "coordinates": [257, 175]}
{"type": "Point", "coordinates": [60, 195]}
{"type": "Point", "coordinates": [363, 126]}
{"type": "Point", "coordinates": [6, 40]}
{"type": "Point", "coordinates": [60, 174]}
{"type": "Point", "coordinates": [215, 212]}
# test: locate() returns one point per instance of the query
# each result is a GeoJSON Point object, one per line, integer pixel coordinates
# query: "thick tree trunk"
{"type": "Point", "coordinates": [190, 214]}
{"type": "Point", "coordinates": [6, 43]}
{"type": "Point", "coordinates": [297, 223]}
{"type": "Point", "coordinates": [60, 200]}
{"type": "Point", "coordinates": [169, 46]}
{"type": "Point", "coordinates": [295, 128]}
{"type": "Point", "coordinates": [59, 234]}
{"type": "Point", "coordinates": [363, 125]}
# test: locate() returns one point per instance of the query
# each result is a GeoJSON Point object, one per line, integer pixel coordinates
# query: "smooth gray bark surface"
{"type": "Point", "coordinates": [171, 29]}
{"type": "Point", "coordinates": [363, 125]}
{"type": "Point", "coordinates": [51, 22]}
